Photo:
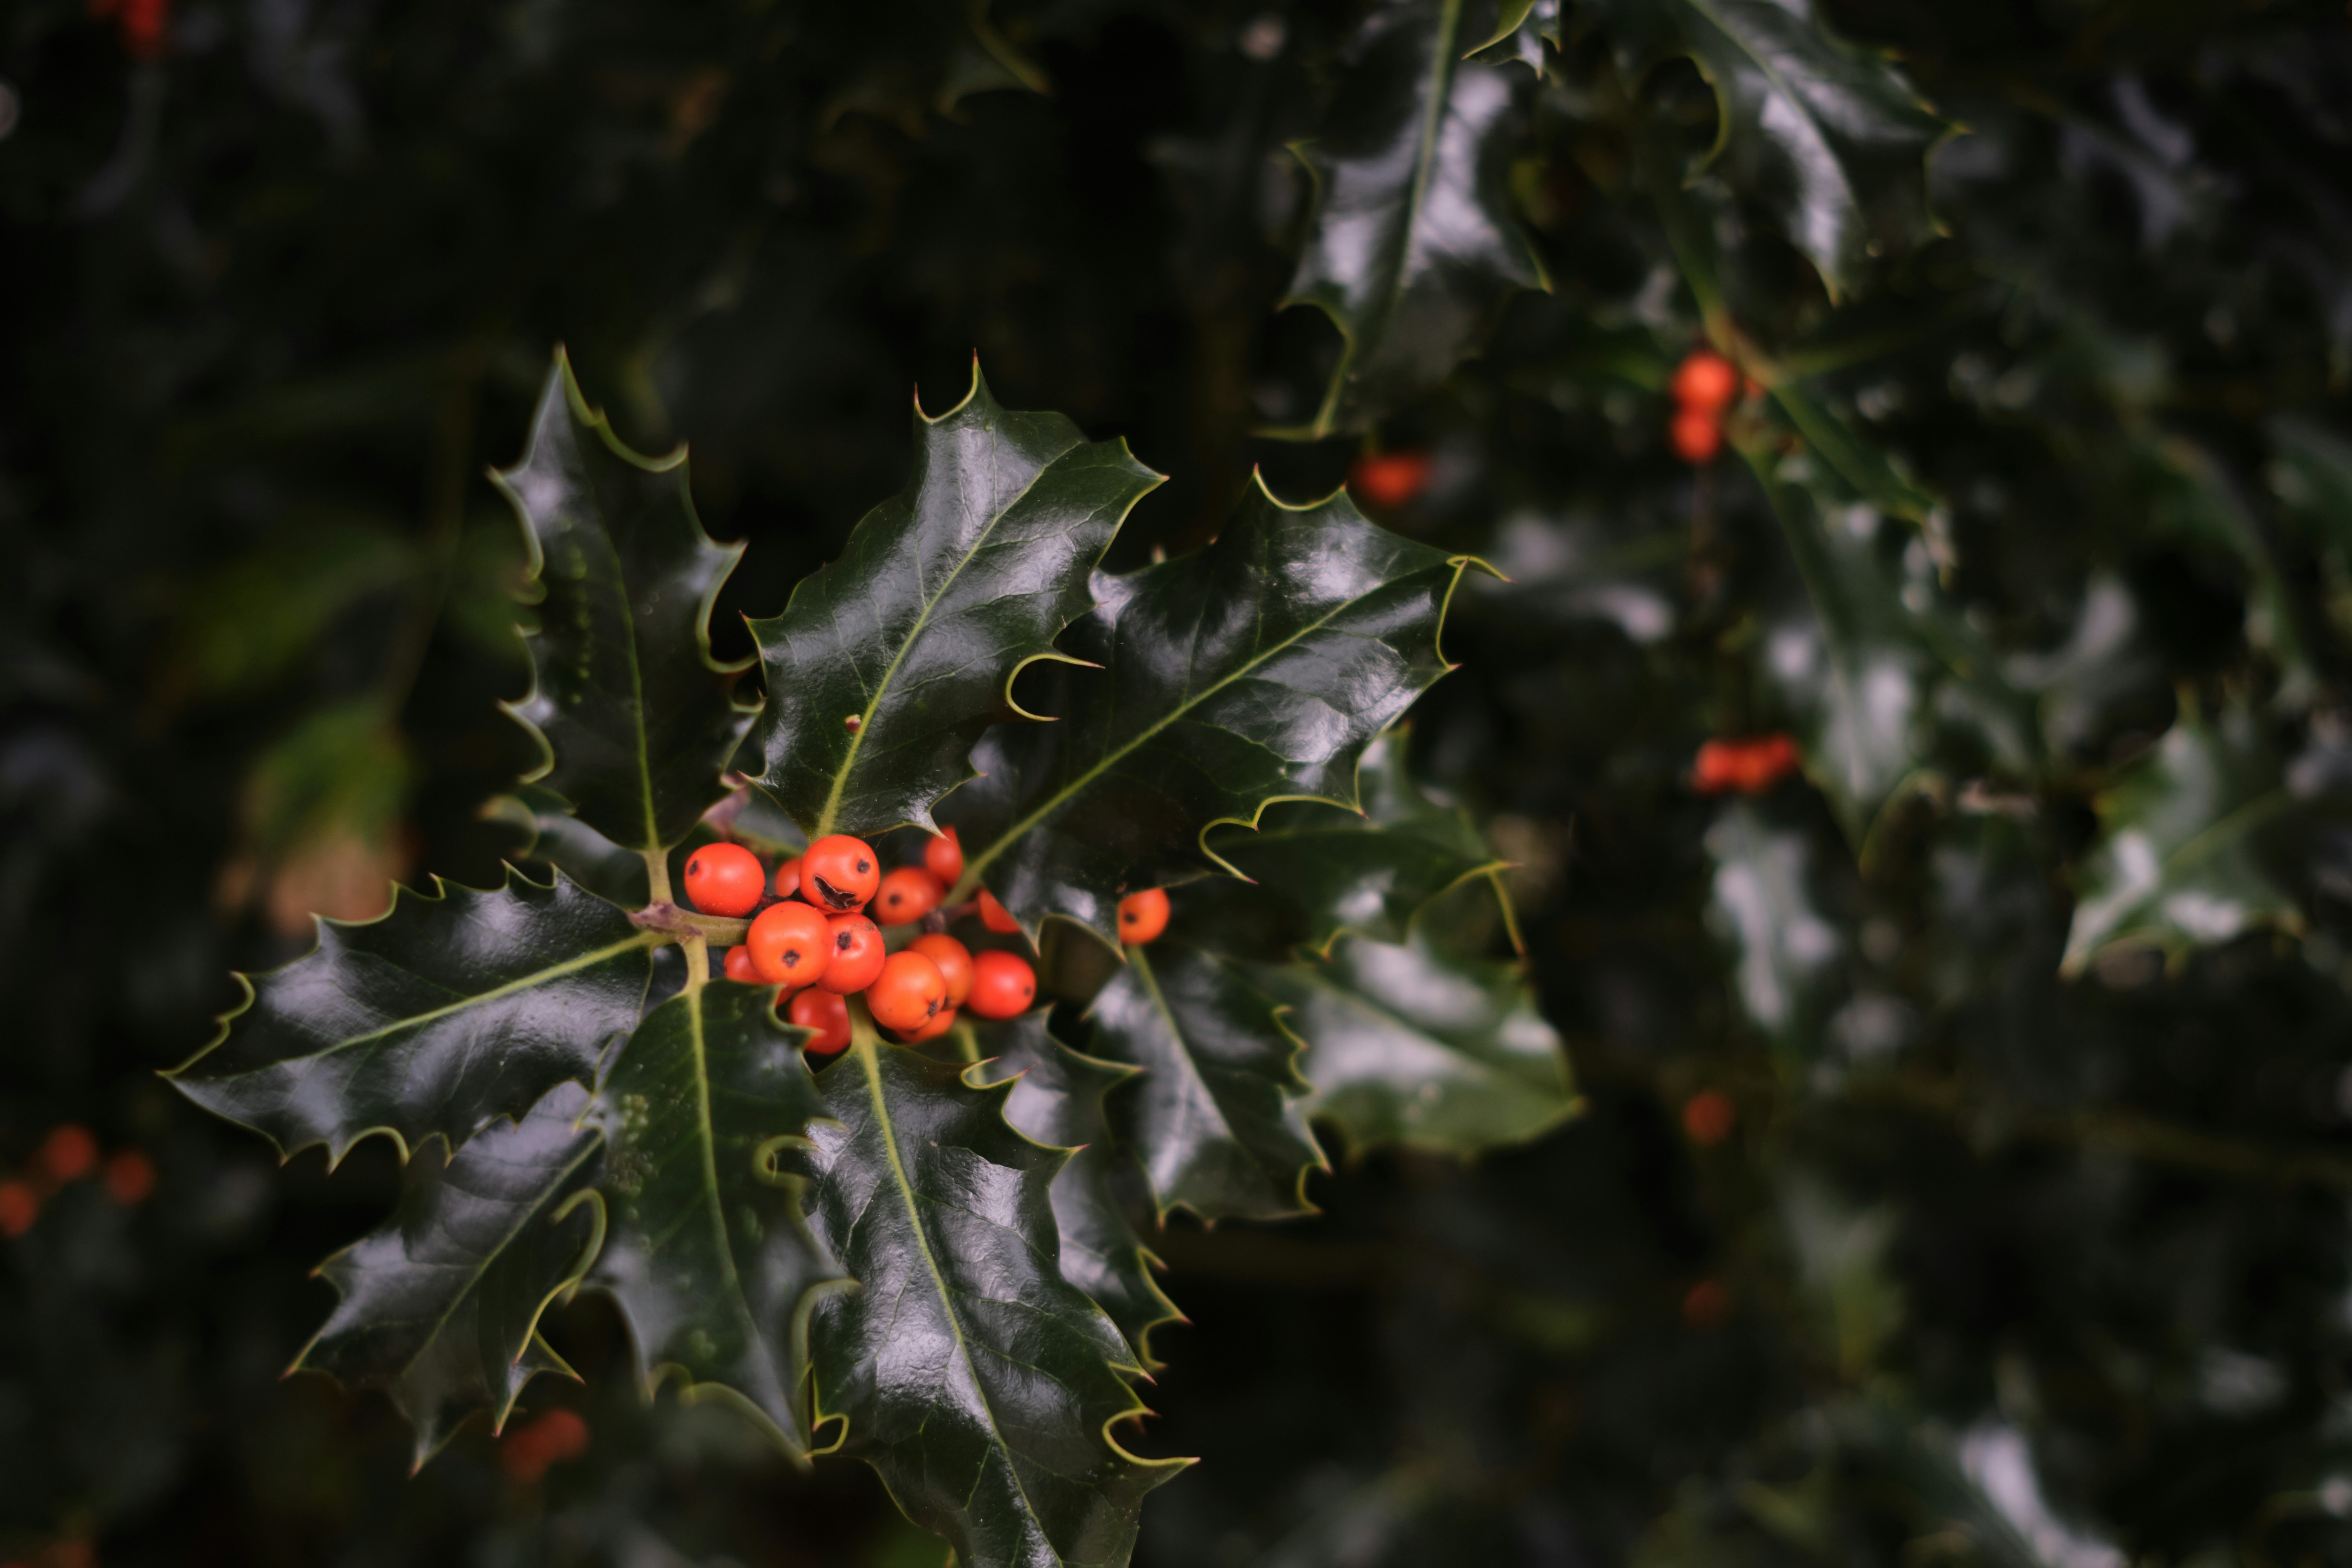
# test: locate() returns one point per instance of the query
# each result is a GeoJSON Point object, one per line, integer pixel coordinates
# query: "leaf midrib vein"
{"type": "Point", "coordinates": [525, 982]}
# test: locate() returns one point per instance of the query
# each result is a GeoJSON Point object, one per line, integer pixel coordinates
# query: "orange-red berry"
{"type": "Point", "coordinates": [943, 857]}
{"type": "Point", "coordinates": [791, 944]}
{"type": "Point", "coordinates": [908, 993]}
{"type": "Point", "coordinates": [938, 1026]}
{"type": "Point", "coordinates": [725, 880]}
{"type": "Point", "coordinates": [20, 1205]}
{"type": "Point", "coordinates": [839, 873]}
{"type": "Point", "coordinates": [828, 1015]}
{"type": "Point", "coordinates": [1002, 985]}
{"type": "Point", "coordinates": [1707, 1306]}
{"type": "Point", "coordinates": [857, 955]}
{"type": "Point", "coordinates": [995, 916]}
{"type": "Point", "coordinates": [69, 1154]}
{"type": "Point", "coordinates": [788, 878]}
{"type": "Point", "coordinates": [737, 966]}
{"type": "Point", "coordinates": [1390, 479]}
{"type": "Point", "coordinates": [1707, 382]}
{"type": "Point", "coordinates": [1142, 916]}
{"type": "Point", "coordinates": [905, 895]}
{"type": "Point", "coordinates": [526, 1452]}
{"type": "Point", "coordinates": [954, 959]}
{"type": "Point", "coordinates": [1695, 436]}
{"type": "Point", "coordinates": [1750, 767]}
{"type": "Point", "coordinates": [129, 1177]}
{"type": "Point", "coordinates": [1708, 1117]}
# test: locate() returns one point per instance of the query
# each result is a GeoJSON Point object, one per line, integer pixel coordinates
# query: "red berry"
{"type": "Point", "coordinates": [129, 1177]}
{"type": "Point", "coordinates": [1694, 435]}
{"type": "Point", "coordinates": [739, 967]}
{"type": "Point", "coordinates": [725, 880]}
{"type": "Point", "coordinates": [839, 873]}
{"type": "Point", "coordinates": [1707, 382]}
{"type": "Point", "coordinates": [526, 1452]}
{"type": "Point", "coordinates": [1142, 916]}
{"type": "Point", "coordinates": [1390, 479]}
{"type": "Point", "coordinates": [791, 945]}
{"type": "Point", "coordinates": [1002, 985]}
{"type": "Point", "coordinates": [943, 857]}
{"type": "Point", "coordinates": [954, 959]}
{"type": "Point", "coordinates": [827, 1014]}
{"type": "Point", "coordinates": [69, 1154]}
{"type": "Point", "coordinates": [908, 993]}
{"type": "Point", "coordinates": [20, 1205]}
{"type": "Point", "coordinates": [788, 878]}
{"type": "Point", "coordinates": [1751, 766]}
{"type": "Point", "coordinates": [938, 1026]}
{"type": "Point", "coordinates": [857, 955]}
{"type": "Point", "coordinates": [1708, 1117]}
{"type": "Point", "coordinates": [995, 916]}
{"type": "Point", "coordinates": [907, 895]}
{"type": "Point", "coordinates": [1707, 1306]}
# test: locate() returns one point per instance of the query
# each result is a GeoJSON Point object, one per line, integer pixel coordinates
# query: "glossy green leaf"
{"type": "Point", "coordinates": [552, 836]}
{"type": "Point", "coordinates": [1412, 1044]}
{"type": "Point", "coordinates": [1254, 670]}
{"type": "Point", "coordinates": [635, 715]}
{"type": "Point", "coordinates": [1220, 1113]}
{"type": "Point", "coordinates": [448, 1012]}
{"type": "Point", "coordinates": [441, 1306]}
{"type": "Point", "coordinates": [710, 1258]}
{"type": "Point", "coordinates": [1057, 1099]}
{"type": "Point", "coordinates": [1369, 871]}
{"type": "Point", "coordinates": [1871, 473]}
{"type": "Point", "coordinates": [978, 1382]}
{"type": "Point", "coordinates": [2177, 862]}
{"type": "Point", "coordinates": [888, 664]}
{"type": "Point", "coordinates": [1829, 137]}
{"type": "Point", "coordinates": [1784, 948]}
{"type": "Point", "coordinates": [1412, 251]}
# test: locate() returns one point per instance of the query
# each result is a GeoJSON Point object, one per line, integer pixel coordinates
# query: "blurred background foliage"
{"type": "Point", "coordinates": [1963, 1168]}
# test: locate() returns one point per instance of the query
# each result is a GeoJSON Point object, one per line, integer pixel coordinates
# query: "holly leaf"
{"type": "Point", "coordinates": [2177, 863]}
{"type": "Point", "coordinates": [1057, 1099]}
{"type": "Point", "coordinates": [635, 716]}
{"type": "Point", "coordinates": [441, 1306]}
{"type": "Point", "coordinates": [448, 1012]}
{"type": "Point", "coordinates": [1370, 870]}
{"type": "Point", "coordinates": [886, 665]}
{"type": "Point", "coordinates": [1763, 909]}
{"type": "Point", "coordinates": [554, 837]}
{"type": "Point", "coordinates": [711, 1259]}
{"type": "Point", "coordinates": [1829, 137]}
{"type": "Point", "coordinates": [1412, 252]}
{"type": "Point", "coordinates": [980, 1383]}
{"type": "Point", "coordinates": [1412, 1044]}
{"type": "Point", "coordinates": [1220, 1113]}
{"type": "Point", "coordinates": [1252, 670]}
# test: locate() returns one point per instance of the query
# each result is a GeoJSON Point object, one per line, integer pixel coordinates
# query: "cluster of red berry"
{"type": "Point", "coordinates": [1704, 386]}
{"type": "Point", "coordinates": [1748, 767]}
{"type": "Point", "coordinates": [818, 938]}
{"type": "Point", "coordinates": [67, 1155]}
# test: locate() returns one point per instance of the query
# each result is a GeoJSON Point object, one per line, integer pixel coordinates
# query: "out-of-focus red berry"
{"type": "Point", "coordinates": [995, 916]}
{"type": "Point", "coordinates": [788, 878]}
{"type": "Point", "coordinates": [1707, 382]}
{"type": "Point", "coordinates": [526, 1452]}
{"type": "Point", "coordinates": [943, 857]}
{"type": "Point", "coordinates": [725, 880]}
{"type": "Point", "coordinates": [20, 1205]}
{"type": "Point", "coordinates": [1142, 916]}
{"type": "Point", "coordinates": [739, 967]}
{"type": "Point", "coordinates": [905, 895]}
{"type": "Point", "coordinates": [1390, 479]}
{"type": "Point", "coordinates": [1695, 436]}
{"type": "Point", "coordinates": [129, 1177]}
{"type": "Point", "coordinates": [1707, 1306]}
{"type": "Point", "coordinates": [1749, 767]}
{"type": "Point", "coordinates": [825, 1013]}
{"type": "Point", "coordinates": [1708, 1117]}
{"type": "Point", "coordinates": [69, 1154]}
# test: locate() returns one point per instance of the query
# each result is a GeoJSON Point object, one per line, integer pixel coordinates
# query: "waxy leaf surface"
{"type": "Point", "coordinates": [1412, 251]}
{"type": "Point", "coordinates": [441, 1306]}
{"type": "Point", "coordinates": [1252, 670]}
{"type": "Point", "coordinates": [1219, 1115]}
{"type": "Point", "coordinates": [555, 839]}
{"type": "Point", "coordinates": [1057, 1099]}
{"type": "Point", "coordinates": [710, 1257]}
{"type": "Point", "coordinates": [441, 1016]}
{"type": "Point", "coordinates": [977, 1380]}
{"type": "Point", "coordinates": [1416, 1046]}
{"type": "Point", "coordinates": [886, 665]}
{"type": "Point", "coordinates": [636, 716]}
{"type": "Point", "coordinates": [1369, 871]}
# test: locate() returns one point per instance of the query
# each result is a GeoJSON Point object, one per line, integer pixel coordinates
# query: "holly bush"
{"type": "Point", "coordinates": [1738, 681]}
